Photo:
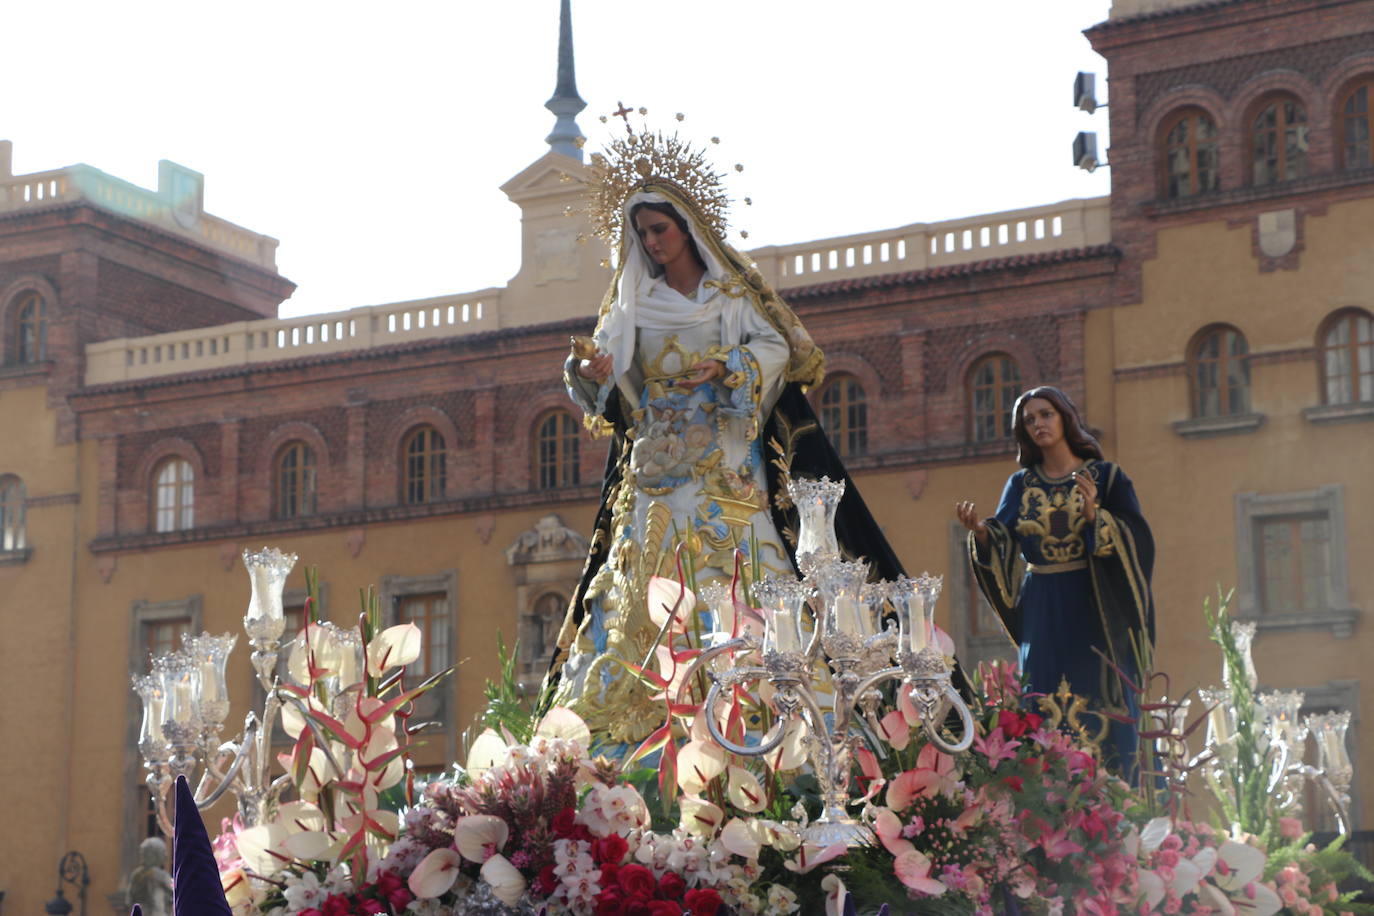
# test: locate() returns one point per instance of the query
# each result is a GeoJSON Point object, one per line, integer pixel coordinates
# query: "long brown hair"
{"type": "Point", "coordinates": [1081, 442]}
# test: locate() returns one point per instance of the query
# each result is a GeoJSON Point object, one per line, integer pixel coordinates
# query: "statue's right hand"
{"type": "Point", "coordinates": [967, 513]}
{"type": "Point", "coordinates": [598, 368]}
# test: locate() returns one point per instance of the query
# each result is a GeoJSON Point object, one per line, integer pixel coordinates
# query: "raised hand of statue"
{"type": "Point", "coordinates": [1085, 484]}
{"type": "Point", "coordinates": [705, 371]}
{"type": "Point", "coordinates": [598, 368]}
{"type": "Point", "coordinates": [967, 512]}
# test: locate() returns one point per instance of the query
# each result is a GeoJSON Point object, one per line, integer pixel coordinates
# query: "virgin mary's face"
{"type": "Point", "coordinates": [662, 239]}
{"type": "Point", "coordinates": [1043, 423]}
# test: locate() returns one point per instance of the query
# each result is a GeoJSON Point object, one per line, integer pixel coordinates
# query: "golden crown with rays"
{"type": "Point", "coordinates": [627, 163]}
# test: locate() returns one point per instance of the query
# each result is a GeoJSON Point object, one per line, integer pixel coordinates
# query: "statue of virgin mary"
{"type": "Point", "coordinates": [697, 369]}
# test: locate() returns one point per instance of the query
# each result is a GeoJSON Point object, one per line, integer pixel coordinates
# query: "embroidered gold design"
{"type": "Point", "coordinates": [1056, 517]}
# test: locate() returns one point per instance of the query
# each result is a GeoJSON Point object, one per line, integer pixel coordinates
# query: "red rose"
{"type": "Point", "coordinates": [337, 905]}
{"type": "Point", "coordinates": [1033, 720]}
{"type": "Point", "coordinates": [371, 908]}
{"type": "Point", "coordinates": [1011, 723]}
{"type": "Point", "coordinates": [638, 908]}
{"type": "Point", "coordinates": [1014, 782]}
{"type": "Point", "coordinates": [664, 908]}
{"type": "Point", "coordinates": [311, 911]}
{"type": "Point", "coordinates": [609, 849]}
{"type": "Point", "coordinates": [609, 903]}
{"type": "Point", "coordinates": [671, 885]}
{"type": "Point", "coordinates": [565, 824]}
{"type": "Point", "coordinates": [547, 882]}
{"type": "Point", "coordinates": [637, 882]}
{"type": "Point", "coordinates": [702, 901]}
{"type": "Point", "coordinates": [608, 874]}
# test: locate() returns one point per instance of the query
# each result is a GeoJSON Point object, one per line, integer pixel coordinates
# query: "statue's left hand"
{"type": "Point", "coordinates": [707, 370]}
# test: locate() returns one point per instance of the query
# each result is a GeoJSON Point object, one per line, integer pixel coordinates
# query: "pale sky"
{"type": "Point", "coordinates": [372, 139]}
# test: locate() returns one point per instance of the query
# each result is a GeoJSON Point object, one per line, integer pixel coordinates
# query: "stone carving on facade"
{"type": "Point", "coordinates": [548, 541]}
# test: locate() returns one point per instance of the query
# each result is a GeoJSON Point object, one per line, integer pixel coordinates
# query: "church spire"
{"type": "Point", "coordinates": [566, 103]}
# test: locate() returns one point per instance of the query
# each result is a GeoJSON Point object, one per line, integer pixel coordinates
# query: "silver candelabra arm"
{"type": "Point", "coordinates": [927, 673]}
{"type": "Point", "coordinates": [1336, 797]}
{"type": "Point", "coordinates": [770, 741]}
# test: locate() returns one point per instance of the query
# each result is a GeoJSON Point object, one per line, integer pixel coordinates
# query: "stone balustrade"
{"type": "Point", "coordinates": [920, 246]}
{"type": "Point", "coordinates": [268, 340]}
{"type": "Point", "coordinates": [175, 206]}
{"type": "Point", "coordinates": [1067, 225]}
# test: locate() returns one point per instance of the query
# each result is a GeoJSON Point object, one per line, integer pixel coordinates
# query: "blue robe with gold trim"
{"type": "Point", "coordinates": [1086, 588]}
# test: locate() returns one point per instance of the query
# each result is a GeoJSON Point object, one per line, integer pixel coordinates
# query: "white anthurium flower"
{"type": "Point", "coordinates": [487, 751]}
{"type": "Point", "coordinates": [480, 836]}
{"type": "Point", "coordinates": [699, 762]}
{"type": "Point", "coordinates": [312, 845]}
{"type": "Point", "coordinates": [835, 894]}
{"type": "Point", "coordinates": [392, 648]}
{"type": "Point", "coordinates": [1212, 896]}
{"type": "Point", "coordinates": [1155, 832]}
{"type": "Point", "coordinates": [1244, 863]}
{"type": "Point", "coordinates": [792, 752]}
{"type": "Point", "coordinates": [561, 722]}
{"type": "Point", "coordinates": [262, 847]}
{"type": "Point", "coordinates": [1152, 886]}
{"type": "Point", "coordinates": [1189, 873]}
{"type": "Point", "coordinates": [745, 791]}
{"type": "Point", "coordinates": [238, 892]}
{"type": "Point", "coordinates": [663, 595]}
{"type": "Point", "coordinates": [507, 884]}
{"type": "Point", "coordinates": [699, 817]}
{"type": "Point", "coordinates": [1264, 903]}
{"type": "Point", "coordinates": [435, 874]}
{"type": "Point", "coordinates": [737, 837]}
{"type": "Point", "coordinates": [1131, 842]}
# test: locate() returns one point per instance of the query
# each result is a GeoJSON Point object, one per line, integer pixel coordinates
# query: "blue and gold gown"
{"type": "Point", "coordinates": [1086, 588]}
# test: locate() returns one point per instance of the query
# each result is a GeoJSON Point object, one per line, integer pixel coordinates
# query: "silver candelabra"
{"type": "Point", "coordinates": [847, 624]}
{"type": "Point", "coordinates": [186, 700]}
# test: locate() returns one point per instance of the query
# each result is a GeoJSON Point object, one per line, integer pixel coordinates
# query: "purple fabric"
{"type": "Point", "coordinates": [196, 889]}
{"type": "Point", "coordinates": [136, 911]}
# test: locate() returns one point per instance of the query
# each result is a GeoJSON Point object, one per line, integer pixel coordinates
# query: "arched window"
{"type": "Point", "coordinates": [30, 328]}
{"type": "Point", "coordinates": [294, 476]}
{"type": "Point", "coordinates": [1220, 371]}
{"type": "Point", "coordinates": [1191, 157]}
{"type": "Point", "coordinates": [1278, 141]}
{"type": "Point", "coordinates": [1353, 113]}
{"type": "Point", "coordinates": [174, 496]}
{"type": "Point", "coordinates": [1348, 357]}
{"type": "Point", "coordinates": [844, 414]}
{"type": "Point", "coordinates": [556, 451]}
{"type": "Point", "coordinates": [994, 384]}
{"type": "Point", "coordinates": [422, 454]}
{"type": "Point", "coordinates": [12, 513]}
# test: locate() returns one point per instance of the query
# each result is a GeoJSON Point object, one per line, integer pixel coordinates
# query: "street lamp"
{"type": "Point", "coordinates": [71, 870]}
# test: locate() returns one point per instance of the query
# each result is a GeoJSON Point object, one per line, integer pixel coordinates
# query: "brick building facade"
{"type": "Point", "coordinates": [161, 419]}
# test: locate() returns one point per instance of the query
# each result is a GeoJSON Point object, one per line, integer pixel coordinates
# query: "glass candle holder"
{"type": "Point", "coordinates": [839, 583]}
{"type": "Point", "coordinates": [784, 605]}
{"type": "Point", "coordinates": [1221, 716]}
{"type": "Point", "coordinates": [179, 676]}
{"type": "Point", "coordinates": [816, 502]}
{"type": "Point", "coordinates": [152, 744]}
{"type": "Point", "coordinates": [210, 654]}
{"type": "Point", "coordinates": [267, 571]}
{"type": "Point", "coordinates": [1244, 634]}
{"type": "Point", "coordinates": [719, 614]}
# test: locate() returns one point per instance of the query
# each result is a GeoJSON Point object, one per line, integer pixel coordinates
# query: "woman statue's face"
{"type": "Point", "coordinates": [664, 241]}
{"type": "Point", "coordinates": [1043, 423]}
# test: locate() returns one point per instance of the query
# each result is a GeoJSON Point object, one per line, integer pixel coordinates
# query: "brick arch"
{"type": "Point", "coordinates": [9, 297]}
{"type": "Point", "coordinates": [956, 378]}
{"type": "Point", "coordinates": [845, 363]}
{"type": "Point", "coordinates": [148, 463]}
{"type": "Point", "coordinates": [1344, 73]}
{"type": "Point", "coordinates": [421, 416]}
{"type": "Point", "coordinates": [1152, 119]}
{"type": "Point", "coordinates": [401, 427]}
{"type": "Point", "coordinates": [1273, 84]}
{"type": "Point", "coordinates": [288, 432]}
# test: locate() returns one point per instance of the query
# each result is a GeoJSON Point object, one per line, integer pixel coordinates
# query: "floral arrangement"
{"type": "Point", "coordinates": [1025, 821]}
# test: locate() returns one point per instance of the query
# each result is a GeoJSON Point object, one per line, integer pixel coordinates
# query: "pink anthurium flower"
{"type": "Point", "coordinates": [896, 729]}
{"type": "Point", "coordinates": [888, 827]}
{"type": "Point", "coordinates": [810, 856]}
{"type": "Point", "coordinates": [435, 874]}
{"type": "Point", "coordinates": [913, 869]}
{"type": "Point", "coordinates": [480, 836]}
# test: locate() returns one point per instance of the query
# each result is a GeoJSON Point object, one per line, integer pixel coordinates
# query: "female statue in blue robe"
{"type": "Point", "coordinates": [1074, 518]}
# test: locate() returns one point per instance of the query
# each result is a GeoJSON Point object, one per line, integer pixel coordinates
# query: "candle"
{"type": "Point", "coordinates": [917, 634]}
{"type": "Point", "coordinates": [786, 630]}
